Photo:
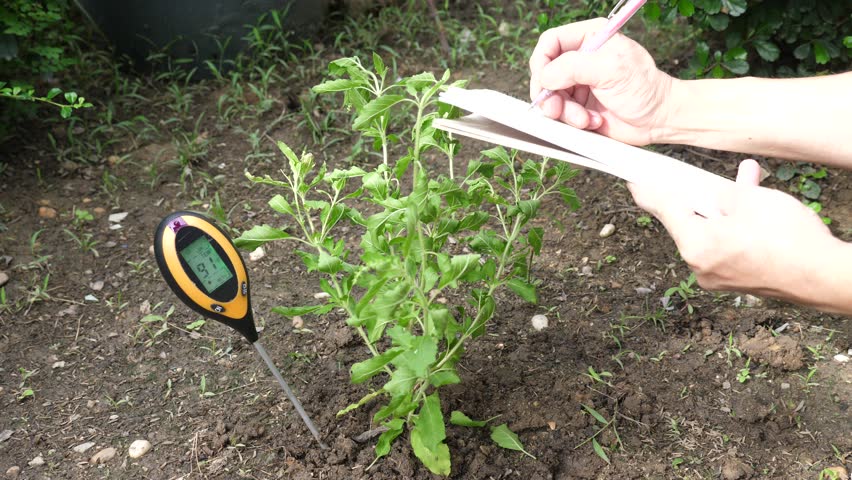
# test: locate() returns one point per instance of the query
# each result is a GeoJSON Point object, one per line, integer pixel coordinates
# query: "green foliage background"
{"type": "Point", "coordinates": [740, 37]}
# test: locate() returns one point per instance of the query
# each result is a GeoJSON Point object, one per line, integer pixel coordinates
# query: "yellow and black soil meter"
{"type": "Point", "coordinates": [202, 266]}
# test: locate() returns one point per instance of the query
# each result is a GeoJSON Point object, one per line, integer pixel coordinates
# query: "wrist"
{"type": "Point", "coordinates": [825, 280]}
{"type": "Point", "coordinates": [674, 95]}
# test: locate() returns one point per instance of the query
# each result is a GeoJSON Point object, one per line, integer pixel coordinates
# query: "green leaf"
{"type": "Point", "coordinates": [821, 52]}
{"type": "Point", "coordinates": [767, 50]}
{"type": "Point", "coordinates": [258, 235]}
{"type": "Point", "coordinates": [375, 108]}
{"type": "Point", "coordinates": [786, 172]}
{"type": "Point", "coordinates": [419, 356]}
{"type": "Point", "coordinates": [736, 66]}
{"type": "Point", "coordinates": [459, 418]}
{"type": "Point", "coordinates": [386, 438]}
{"type": "Point", "coordinates": [719, 22]}
{"type": "Point", "coordinates": [686, 8]}
{"type": "Point", "coordinates": [803, 51]}
{"type": "Point", "coordinates": [53, 92]}
{"type": "Point", "coordinates": [401, 381]}
{"type": "Point", "coordinates": [71, 97]}
{"type": "Point", "coordinates": [281, 205]}
{"type": "Point", "coordinates": [338, 85]}
{"type": "Point", "coordinates": [523, 289]}
{"type": "Point", "coordinates": [329, 263]}
{"type": "Point", "coordinates": [445, 377]}
{"type": "Point", "coordinates": [652, 11]}
{"type": "Point", "coordinates": [502, 436]}
{"type": "Point", "coordinates": [594, 413]}
{"type": "Point", "coordinates": [810, 189]}
{"type": "Point", "coordinates": [196, 324]}
{"type": "Point", "coordinates": [847, 41]}
{"type": "Point", "coordinates": [65, 112]}
{"type": "Point", "coordinates": [428, 434]}
{"type": "Point", "coordinates": [534, 238]}
{"type": "Point", "coordinates": [288, 152]}
{"type": "Point", "coordinates": [599, 450]}
{"type": "Point", "coordinates": [363, 371]}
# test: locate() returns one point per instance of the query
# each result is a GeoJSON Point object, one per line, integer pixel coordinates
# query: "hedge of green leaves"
{"type": "Point", "coordinates": [742, 37]}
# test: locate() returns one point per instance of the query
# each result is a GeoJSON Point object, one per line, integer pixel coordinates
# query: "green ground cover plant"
{"type": "Point", "coordinates": [436, 235]}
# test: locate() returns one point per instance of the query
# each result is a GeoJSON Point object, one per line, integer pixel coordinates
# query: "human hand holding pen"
{"type": "Point", "coordinates": [616, 90]}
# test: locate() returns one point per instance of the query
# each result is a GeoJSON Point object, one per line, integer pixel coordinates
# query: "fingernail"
{"type": "Point", "coordinates": [595, 120]}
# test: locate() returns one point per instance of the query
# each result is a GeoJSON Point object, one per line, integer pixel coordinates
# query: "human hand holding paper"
{"type": "Point", "coordinates": [764, 242]}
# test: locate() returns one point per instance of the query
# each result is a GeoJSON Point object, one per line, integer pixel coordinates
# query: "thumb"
{"type": "Point", "coordinates": [749, 173]}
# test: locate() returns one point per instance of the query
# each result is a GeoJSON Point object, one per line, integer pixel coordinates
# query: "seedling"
{"type": "Point", "coordinates": [745, 373]}
{"type": "Point", "coordinates": [684, 290]}
{"type": "Point", "coordinates": [644, 221]}
{"type": "Point", "coordinates": [732, 350]}
{"type": "Point", "coordinates": [203, 268]}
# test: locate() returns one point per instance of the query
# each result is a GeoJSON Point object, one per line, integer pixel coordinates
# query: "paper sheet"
{"type": "Point", "coordinates": [503, 120]}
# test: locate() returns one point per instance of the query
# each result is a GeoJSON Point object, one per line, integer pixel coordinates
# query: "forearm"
{"type": "Point", "coordinates": [808, 119]}
{"type": "Point", "coordinates": [823, 280]}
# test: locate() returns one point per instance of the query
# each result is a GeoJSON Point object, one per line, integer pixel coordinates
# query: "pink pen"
{"type": "Point", "coordinates": [617, 18]}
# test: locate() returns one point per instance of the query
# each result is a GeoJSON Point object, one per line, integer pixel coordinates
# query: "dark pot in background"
{"type": "Point", "coordinates": [190, 28]}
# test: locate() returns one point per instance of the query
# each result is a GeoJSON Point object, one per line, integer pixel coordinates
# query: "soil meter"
{"type": "Point", "coordinates": [202, 266]}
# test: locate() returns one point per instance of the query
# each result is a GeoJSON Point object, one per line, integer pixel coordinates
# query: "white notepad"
{"type": "Point", "coordinates": [504, 120]}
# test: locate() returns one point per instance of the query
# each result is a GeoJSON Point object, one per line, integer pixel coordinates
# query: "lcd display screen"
{"type": "Point", "coordinates": [207, 265]}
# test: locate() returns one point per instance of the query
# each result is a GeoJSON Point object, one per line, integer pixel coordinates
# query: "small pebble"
{"type": "Point", "coordinates": [539, 322]}
{"type": "Point", "coordinates": [83, 447]}
{"type": "Point", "coordinates": [257, 254]}
{"type": "Point", "coordinates": [59, 364]}
{"type": "Point", "coordinates": [13, 472]}
{"type": "Point", "coordinates": [103, 456]}
{"type": "Point", "coordinates": [321, 295]}
{"type": "Point", "coordinates": [139, 448]}
{"type": "Point", "coordinates": [46, 212]}
{"type": "Point", "coordinates": [99, 211]}
{"type": "Point", "coordinates": [607, 230]}
{"type": "Point", "coordinates": [117, 217]}
{"type": "Point", "coordinates": [586, 270]}
{"type": "Point", "coordinates": [4, 278]}
{"type": "Point", "coordinates": [90, 298]}
{"type": "Point", "coordinates": [551, 425]}
{"type": "Point", "coordinates": [725, 409]}
{"type": "Point", "coordinates": [36, 462]}
{"type": "Point", "coordinates": [298, 322]}
{"type": "Point", "coordinates": [785, 386]}
{"type": "Point", "coordinates": [97, 286]}
{"type": "Point", "coordinates": [726, 385]}
{"type": "Point", "coordinates": [840, 358]}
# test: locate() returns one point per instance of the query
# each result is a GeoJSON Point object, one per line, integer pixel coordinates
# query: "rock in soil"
{"type": "Point", "coordinates": [83, 447]}
{"type": "Point", "coordinates": [13, 472]}
{"type": "Point", "coordinates": [840, 358]}
{"type": "Point", "coordinates": [139, 448]}
{"type": "Point", "coordinates": [46, 212]}
{"type": "Point", "coordinates": [36, 462]}
{"type": "Point", "coordinates": [4, 278]}
{"type": "Point", "coordinates": [103, 456]}
{"type": "Point", "coordinates": [607, 230]}
{"type": "Point", "coordinates": [779, 352]}
{"type": "Point", "coordinates": [539, 322]}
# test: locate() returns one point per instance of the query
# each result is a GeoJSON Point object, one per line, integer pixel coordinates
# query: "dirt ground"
{"type": "Point", "coordinates": [210, 409]}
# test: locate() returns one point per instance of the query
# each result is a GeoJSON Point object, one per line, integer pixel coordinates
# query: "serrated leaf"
{"type": "Point", "coordinates": [459, 418]}
{"type": "Point", "coordinates": [719, 22]}
{"type": "Point", "coordinates": [502, 436]}
{"type": "Point", "coordinates": [436, 459]}
{"type": "Point", "coordinates": [736, 66]}
{"type": "Point", "coordinates": [685, 7]}
{"type": "Point", "coordinates": [599, 450]}
{"type": "Point", "coordinates": [363, 371]}
{"type": "Point", "coordinates": [258, 235]}
{"type": "Point", "coordinates": [375, 108]}
{"type": "Point", "coordinates": [803, 51]}
{"type": "Point", "coordinates": [523, 289]}
{"type": "Point", "coordinates": [534, 238]}
{"type": "Point", "coordinates": [329, 263]}
{"type": "Point", "coordinates": [734, 8]}
{"type": "Point", "coordinates": [810, 189]}
{"type": "Point", "coordinates": [446, 377]}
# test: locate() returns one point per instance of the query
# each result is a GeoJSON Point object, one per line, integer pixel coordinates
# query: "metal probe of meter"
{"type": "Point", "coordinates": [202, 266]}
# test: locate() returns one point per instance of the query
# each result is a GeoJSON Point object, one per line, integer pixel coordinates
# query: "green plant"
{"type": "Point", "coordinates": [744, 373]}
{"type": "Point", "coordinates": [643, 221]}
{"type": "Point", "coordinates": [600, 427]}
{"type": "Point", "coordinates": [24, 93]}
{"type": "Point", "coordinates": [84, 241]}
{"type": "Point", "coordinates": [410, 255]}
{"type": "Point", "coordinates": [731, 349]}
{"type": "Point", "coordinates": [25, 391]}
{"type": "Point", "coordinates": [684, 290]}
{"type": "Point", "coordinates": [803, 181]}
